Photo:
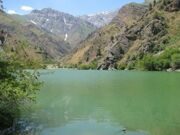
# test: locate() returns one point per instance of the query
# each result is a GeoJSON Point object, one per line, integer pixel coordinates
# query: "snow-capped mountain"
{"type": "Point", "coordinates": [100, 19]}
{"type": "Point", "coordinates": [72, 29]}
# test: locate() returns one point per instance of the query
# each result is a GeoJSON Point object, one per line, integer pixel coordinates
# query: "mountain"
{"type": "Point", "coordinates": [30, 40]}
{"type": "Point", "coordinates": [138, 38]}
{"type": "Point", "coordinates": [100, 19]}
{"type": "Point", "coordinates": [98, 45]}
{"type": "Point", "coordinates": [71, 29]}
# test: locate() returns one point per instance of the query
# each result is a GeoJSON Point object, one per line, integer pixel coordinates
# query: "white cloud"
{"type": "Point", "coordinates": [26, 8]}
{"type": "Point", "coordinates": [11, 12]}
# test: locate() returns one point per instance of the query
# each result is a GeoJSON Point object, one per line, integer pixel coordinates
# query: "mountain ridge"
{"type": "Point", "coordinates": [101, 41]}
{"type": "Point", "coordinates": [135, 40]}
{"type": "Point", "coordinates": [22, 35]}
{"type": "Point", "coordinates": [68, 27]}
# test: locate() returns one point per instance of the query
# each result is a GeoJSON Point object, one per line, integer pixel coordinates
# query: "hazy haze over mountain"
{"type": "Point", "coordinates": [100, 19]}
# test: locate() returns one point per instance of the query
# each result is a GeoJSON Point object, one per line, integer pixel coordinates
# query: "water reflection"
{"type": "Point", "coordinates": [90, 127]}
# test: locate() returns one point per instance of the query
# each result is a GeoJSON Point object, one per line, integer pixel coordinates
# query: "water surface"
{"type": "Point", "coordinates": [74, 102]}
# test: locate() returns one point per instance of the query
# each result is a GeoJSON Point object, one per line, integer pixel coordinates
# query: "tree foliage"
{"type": "Point", "coordinates": [170, 58]}
{"type": "Point", "coordinates": [150, 6]}
{"type": "Point", "coordinates": [17, 88]}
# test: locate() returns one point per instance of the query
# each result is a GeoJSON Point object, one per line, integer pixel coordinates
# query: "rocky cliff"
{"type": "Point", "coordinates": [136, 33]}
{"type": "Point", "coordinates": [98, 46]}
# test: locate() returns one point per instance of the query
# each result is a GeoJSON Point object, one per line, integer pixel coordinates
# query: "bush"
{"type": "Point", "coordinates": [158, 15]}
{"type": "Point", "coordinates": [170, 58]}
{"type": "Point", "coordinates": [92, 65]}
{"type": "Point", "coordinates": [131, 65]}
{"type": "Point", "coordinates": [147, 63]}
{"type": "Point", "coordinates": [88, 66]}
{"type": "Point", "coordinates": [175, 63]}
{"type": "Point", "coordinates": [122, 66]}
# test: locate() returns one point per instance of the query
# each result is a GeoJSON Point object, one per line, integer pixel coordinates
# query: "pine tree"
{"type": "Point", "coordinates": [98, 52]}
{"type": "Point", "coordinates": [150, 6]}
{"type": "Point", "coordinates": [154, 3]}
{"type": "Point", "coordinates": [164, 2]}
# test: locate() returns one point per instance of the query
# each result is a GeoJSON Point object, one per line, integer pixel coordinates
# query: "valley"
{"type": "Point", "coordinates": [89, 68]}
{"type": "Point", "coordinates": [116, 40]}
{"type": "Point", "coordinates": [109, 40]}
{"type": "Point", "coordinates": [49, 34]}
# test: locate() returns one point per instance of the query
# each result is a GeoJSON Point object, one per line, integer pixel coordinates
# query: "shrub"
{"type": "Point", "coordinates": [122, 66]}
{"type": "Point", "coordinates": [147, 63]}
{"type": "Point", "coordinates": [175, 63]}
{"type": "Point", "coordinates": [170, 58]}
{"type": "Point", "coordinates": [158, 15]}
{"type": "Point", "coordinates": [92, 65]}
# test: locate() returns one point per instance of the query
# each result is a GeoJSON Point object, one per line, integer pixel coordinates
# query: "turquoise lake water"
{"type": "Point", "coordinates": [74, 102]}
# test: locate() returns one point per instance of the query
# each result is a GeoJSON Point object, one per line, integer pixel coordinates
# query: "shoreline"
{"type": "Point", "coordinates": [61, 68]}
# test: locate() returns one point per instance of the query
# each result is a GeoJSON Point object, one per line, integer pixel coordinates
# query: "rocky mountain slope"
{"type": "Point", "coordinates": [98, 45]}
{"type": "Point", "coordinates": [71, 29]}
{"type": "Point", "coordinates": [138, 38]}
{"type": "Point", "coordinates": [100, 19]}
{"type": "Point", "coordinates": [26, 38]}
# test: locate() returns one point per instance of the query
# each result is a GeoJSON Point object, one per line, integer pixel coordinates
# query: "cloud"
{"type": "Point", "coordinates": [26, 8]}
{"type": "Point", "coordinates": [11, 12]}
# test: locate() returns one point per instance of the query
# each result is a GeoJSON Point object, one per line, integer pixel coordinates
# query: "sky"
{"type": "Point", "coordinates": [74, 7]}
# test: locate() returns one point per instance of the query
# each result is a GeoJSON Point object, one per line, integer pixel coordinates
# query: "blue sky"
{"type": "Point", "coordinates": [75, 7]}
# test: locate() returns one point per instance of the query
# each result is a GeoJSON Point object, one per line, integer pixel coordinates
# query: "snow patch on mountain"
{"type": "Point", "coordinates": [64, 25]}
{"type": "Point", "coordinates": [100, 13]}
{"type": "Point", "coordinates": [33, 22]}
{"type": "Point", "coordinates": [100, 19]}
{"type": "Point", "coordinates": [65, 22]}
{"type": "Point", "coordinates": [66, 36]}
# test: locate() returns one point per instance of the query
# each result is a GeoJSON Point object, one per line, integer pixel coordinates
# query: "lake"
{"type": "Point", "coordinates": [74, 102]}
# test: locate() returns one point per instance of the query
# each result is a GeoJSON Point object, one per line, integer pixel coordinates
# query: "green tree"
{"type": "Point", "coordinates": [112, 39]}
{"type": "Point", "coordinates": [175, 61]}
{"type": "Point", "coordinates": [98, 52]}
{"type": "Point", "coordinates": [17, 88]}
{"type": "Point", "coordinates": [147, 63]}
{"type": "Point", "coordinates": [150, 7]}
{"type": "Point", "coordinates": [154, 3]}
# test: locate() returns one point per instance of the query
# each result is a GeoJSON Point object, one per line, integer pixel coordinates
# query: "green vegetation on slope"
{"type": "Point", "coordinates": [160, 50]}
{"type": "Point", "coordinates": [170, 58]}
{"type": "Point", "coordinates": [149, 36]}
{"type": "Point", "coordinates": [19, 30]}
{"type": "Point", "coordinates": [26, 55]}
{"type": "Point", "coordinates": [18, 87]}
